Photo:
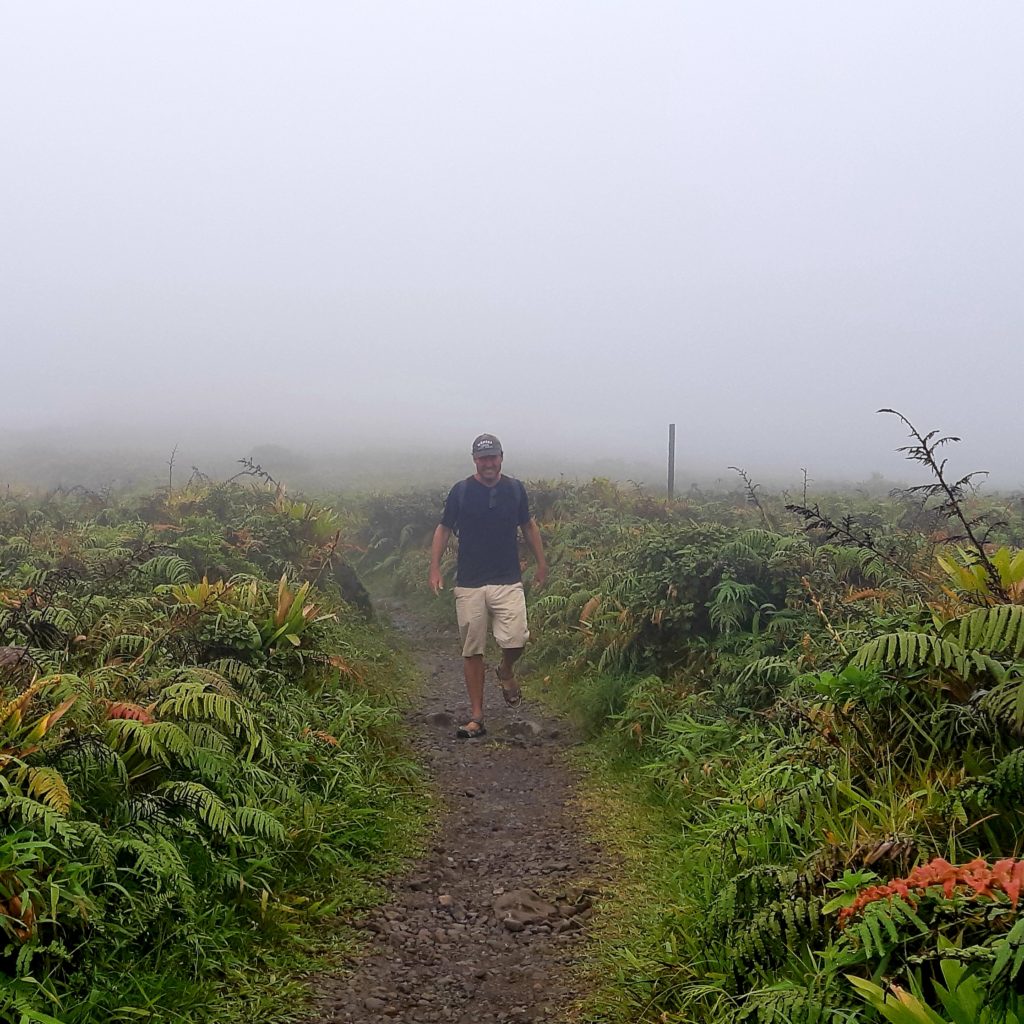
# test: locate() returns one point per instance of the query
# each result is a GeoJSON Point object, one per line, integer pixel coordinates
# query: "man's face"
{"type": "Point", "coordinates": [488, 467]}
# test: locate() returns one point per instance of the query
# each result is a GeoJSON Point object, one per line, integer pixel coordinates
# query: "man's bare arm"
{"type": "Point", "coordinates": [437, 548]}
{"type": "Point", "coordinates": [531, 533]}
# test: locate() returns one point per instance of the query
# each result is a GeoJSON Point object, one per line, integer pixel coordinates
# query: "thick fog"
{"type": "Point", "coordinates": [385, 227]}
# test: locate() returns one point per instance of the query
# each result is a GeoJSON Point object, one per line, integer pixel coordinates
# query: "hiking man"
{"type": "Point", "coordinates": [486, 511]}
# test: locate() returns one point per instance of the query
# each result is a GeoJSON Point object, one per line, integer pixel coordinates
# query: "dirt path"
{"type": "Point", "coordinates": [491, 924]}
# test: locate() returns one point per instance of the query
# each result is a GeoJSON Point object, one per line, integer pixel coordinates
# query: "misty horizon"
{"type": "Point", "coordinates": [343, 228]}
{"type": "Point", "coordinates": [46, 460]}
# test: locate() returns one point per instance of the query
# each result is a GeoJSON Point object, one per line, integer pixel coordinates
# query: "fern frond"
{"type": "Point", "coordinates": [51, 821]}
{"type": "Point", "coordinates": [152, 808]}
{"type": "Point", "coordinates": [64, 619]}
{"type": "Point", "coordinates": [253, 821]}
{"type": "Point", "coordinates": [1008, 778]}
{"type": "Point", "coordinates": [203, 803]}
{"type": "Point", "coordinates": [95, 843]}
{"type": "Point", "coordinates": [239, 674]}
{"type": "Point", "coordinates": [908, 651]}
{"type": "Point", "coordinates": [208, 678]}
{"type": "Point", "coordinates": [745, 894]}
{"type": "Point", "coordinates": [785, 1003]}
{"type": "Point", "coordinates": [768, 670]}
{"type": "Point", "coordinates": [1005, 703]}
{"type": "Point", "coordinates": [45, 784]}
{"type": "Point", "coordinates": [191, 700]}
{"type": "Point", "coordinates": [97, 560]}
{"type": "Point", "coordinates": [774, 932]}
{"type": "Point", "coordinates": [879, 928]}
{"type": "Point", "coordinates": [738, 552]}
{"type": "Point", "coordinates": [165, 743]}
{"type": "Point", "coordinates": [996, 630]}
{"type": "Point", "coordinates": [166, 569]}
{"type": "Point", "coordinates": [157, 856]}
{"type": "Point", "coordinates": [761, 541]}
{"type": "Point", "coordinates": [125, 645]}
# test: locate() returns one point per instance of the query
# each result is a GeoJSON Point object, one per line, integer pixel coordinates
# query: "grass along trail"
{"type": "Point", "coordinates": [490, 925]}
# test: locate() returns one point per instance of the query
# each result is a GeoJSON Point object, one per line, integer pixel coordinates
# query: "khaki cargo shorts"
{"type": "Point", "coordinates": [503, 604]}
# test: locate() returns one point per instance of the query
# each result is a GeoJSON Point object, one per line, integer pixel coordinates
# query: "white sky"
{"type": "Point", "coordinates": [568, 222]}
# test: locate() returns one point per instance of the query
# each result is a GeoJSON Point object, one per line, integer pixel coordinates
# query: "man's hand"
{"type": "Point", "coordinates": [437, 546]}
{"type": "Point", "coordinates": [531, 533]}
{"type": "Point", "coordinates": [436, 580]}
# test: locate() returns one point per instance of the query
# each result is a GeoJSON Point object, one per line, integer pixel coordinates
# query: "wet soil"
{"type": "Point", "coordinates": [491, 925]}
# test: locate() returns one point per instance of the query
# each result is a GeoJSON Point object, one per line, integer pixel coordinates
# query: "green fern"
{"type": "Point", "coordinates": [774, 933]}
{"type": "Point", "coordinates": [253, 821]}
{"type": "Point", "coordinates": [208, 678]}
{"type": "Point", "coordinates": [99, 560]}
{"type": "Point", "coordinates": [1008, 778]}
{"type": "Point", "coordinates": [880, 927]}
{"type": "Point", "coordinates": [909, 651]}
{"type": "Point", "coordinates": [242, 676]}
{"type": "Point", "coordinates": [771, 669]}
{"type": "Point", "coordinates": [731, 603]}
{"type": "Point", "coordinates": [745, 894]}
{"type": "Point", "coordinates": [192, 700]}
{"type": "Point", "coordinates": [126, 645]}
{"type": "Point", "coordinates": [19, 1001]}
{"type": "Point", "coordinates": [997, 630]}
{"type": "Point", "coordinates": [1005, 703]}
{"type": "Point", "coordinates": [967, 802]}
{"type": "Point", "coordinates": [550, 603]}
{"type": "Point", "coordinates": [203, 803]}
{"type": "Point", "coordinates": [166, 569]}
{"type": "Point", "coordinates": [51, 821]}
{"type": "Point", "coordinates": [206, 736]}
{"type": "Point", "coordinates": [162, 742]}
{"type": "Point", "coordinates": [95, 843]}
{"type": "Point", "coordinates": [787, 1003]}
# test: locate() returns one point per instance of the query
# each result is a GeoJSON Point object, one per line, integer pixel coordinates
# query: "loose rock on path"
{"type": "Point", "coordinates": [490, 926]}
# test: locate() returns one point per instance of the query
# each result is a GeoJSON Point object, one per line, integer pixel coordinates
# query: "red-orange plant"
{"type": "Point", "coordinates": [1005, 876]}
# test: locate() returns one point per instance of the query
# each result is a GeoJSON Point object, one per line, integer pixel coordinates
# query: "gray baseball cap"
{"type": "Point", "coordinates": [486, 444]}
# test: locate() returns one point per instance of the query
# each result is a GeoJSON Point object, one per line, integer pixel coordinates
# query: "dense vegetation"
{"type": "Point", "coordinates": [823, 700]}
{"type": "Point", "coordinates": [817, 699]}
{"type": "Point", "coordinates": [197, 763]}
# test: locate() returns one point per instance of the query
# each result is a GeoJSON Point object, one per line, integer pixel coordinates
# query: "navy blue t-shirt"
{"type": "Point", "coordinates": [487, 520]}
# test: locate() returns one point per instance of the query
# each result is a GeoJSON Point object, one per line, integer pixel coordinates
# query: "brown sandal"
{"type": "Point", "coordinates": [510, 690]}
{"type": "Point", "coordinates": [466, 732]}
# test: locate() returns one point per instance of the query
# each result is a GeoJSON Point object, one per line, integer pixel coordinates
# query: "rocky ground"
{"type": "Point", "coordinates": [491, 926]}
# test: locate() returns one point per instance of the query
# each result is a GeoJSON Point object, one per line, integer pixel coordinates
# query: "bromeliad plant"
{"type": "Point", "coordinates": [290, 617]}
{"type": "Point", "coordinates": [245, 602]}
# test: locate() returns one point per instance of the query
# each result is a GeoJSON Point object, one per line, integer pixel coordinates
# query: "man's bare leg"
{"type": "Point", "coordinates": [506, 671]}
{"type": "Point", "coordinates": [509, 656]}
{"type": "Point", "coordinates": [473, 670]}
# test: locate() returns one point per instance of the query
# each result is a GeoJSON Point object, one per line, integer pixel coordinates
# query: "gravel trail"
{"type": "Point", "coordinates": [491, 925]}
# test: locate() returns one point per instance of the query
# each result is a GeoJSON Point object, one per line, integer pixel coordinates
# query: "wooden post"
{"type": "Point", "coordinates": [671, 460]}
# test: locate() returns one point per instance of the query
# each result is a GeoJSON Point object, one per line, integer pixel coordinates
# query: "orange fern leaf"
{"type": "Point", "coordinates": [590, 607]}
{"type": "Point", "coordinates": [125, 709]}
